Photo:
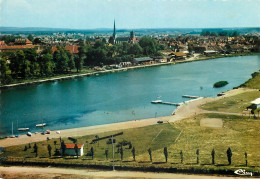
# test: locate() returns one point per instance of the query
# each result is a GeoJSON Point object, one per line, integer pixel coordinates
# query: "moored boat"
{"type": "Point", "coordinates": [41, 125]}
{"type": "Point", "coordinates": [23, 129]}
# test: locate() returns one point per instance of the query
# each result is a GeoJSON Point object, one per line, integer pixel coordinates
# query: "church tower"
{"type": "Point", "coordinates": [114, 33]}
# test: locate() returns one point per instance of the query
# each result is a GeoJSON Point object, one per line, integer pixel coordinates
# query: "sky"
{"type": "Point", "coordinates": [130, 14]}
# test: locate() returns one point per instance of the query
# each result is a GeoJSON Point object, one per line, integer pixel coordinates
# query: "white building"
{"type": "Point", "coordinates": [70, 149]}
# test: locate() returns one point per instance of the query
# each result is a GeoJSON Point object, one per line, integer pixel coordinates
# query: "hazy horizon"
{"type": "Point", "coordinates": [132, 14]}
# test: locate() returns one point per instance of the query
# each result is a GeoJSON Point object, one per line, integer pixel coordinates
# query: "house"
{"type": "Point", "coordinates": [73, 49]}
{"type": "Point", "coordinates": [179, 55]}
{"type": "Point", "coordinates": [70, 149]}
{"type": "Point", "coordinates": [125, 64]}
{"type": "Point", "coordinates": [256, 102]}
{"type": "Point", "coordinates": [199, 49]}
{"type": "Point", "coordinates": [161, 59]}
{"type": "Point", "coordinates": [143, 60]}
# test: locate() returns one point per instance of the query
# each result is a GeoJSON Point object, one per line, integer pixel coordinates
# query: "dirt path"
{"type": "Point", "coordinates": [35, 172]}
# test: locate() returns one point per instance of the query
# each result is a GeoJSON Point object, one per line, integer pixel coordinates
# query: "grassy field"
{"type": "Point", "coordinates": [241, 134]}
{"type": "Point", "coordinates": [235, 104]}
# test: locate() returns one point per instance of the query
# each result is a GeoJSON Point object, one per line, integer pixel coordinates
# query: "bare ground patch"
{"type": "Point", "coordinates": [211, 122]}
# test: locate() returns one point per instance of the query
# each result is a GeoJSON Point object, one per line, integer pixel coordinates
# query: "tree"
{"type": "Point", "coordinates": [106, 153]}
{"type": "Point", "coordinates": [15, 64]}
{"type": "Point", "coordinates": [46, 64]}
{"type": "Point", "coordinates": [92, 152]}
{"type": "Point", "coordinates": [35, 147]}
{"type": "Point", "coordinates": [25, 148]}
{"type": "Point", "coordinates": [49, 149]}
{"type": "Point", "coordinates": [181, 154]}
{"type": "Point", "coordinates": [71, 62]}
{"type": "Point", "coordinates": [150, 154]}
{"type": "Point", "coordinates": [61, 59]}
{"type": "Point", "coordinates": [135, 49]}
{"type": "Point", "coordinates": [229, 155]}
{"type": "Point", "coordinates": [78, 63]}
{"type": "Point", "coordinates": [63, 148]}
{"type": "Point", "coordinates": [165, 154]}
{"type": "Point", "coordinates": [213, 156]}
{"type": "Point", "coordinates": [246, 158]}
{"type": "Point", "coordinates": [55, 143]}
{"type": "Point", "coordinates": [121, 152]}
{"type": "Point", "coordinates": [76, 150]}
{"type": "Point", "coordinates": [150, 46]}
{"type": "Point", "coordinates": [3, 69]}
{"type": "Point", "coordinates": [30, 37]}
{"type": "Point", "coordinates": [198, 153]}
{"type": "Point", "coordinates": [133, 152]}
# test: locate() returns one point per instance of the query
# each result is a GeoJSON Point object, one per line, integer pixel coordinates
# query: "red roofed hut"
{"type": "Point", "coordinates": [70, 149]}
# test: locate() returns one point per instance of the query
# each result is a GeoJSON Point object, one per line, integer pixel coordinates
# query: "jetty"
{"type": "Point", "coordinates": [162, 102]}
{"type": "Point", "coordinates": [189, 96]}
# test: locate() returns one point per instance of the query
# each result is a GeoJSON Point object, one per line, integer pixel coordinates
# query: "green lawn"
{"type": "Point", "coordinates": [235, 104]}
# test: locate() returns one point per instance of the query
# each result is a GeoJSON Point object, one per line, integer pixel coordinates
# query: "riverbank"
{"type": "Point", "coordinates": [71, 76]}
{"type": "Point", "coordinates": [186, 110]}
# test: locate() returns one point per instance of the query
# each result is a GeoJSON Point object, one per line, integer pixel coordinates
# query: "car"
{"type": "Point", "coordinates": [159, 122]}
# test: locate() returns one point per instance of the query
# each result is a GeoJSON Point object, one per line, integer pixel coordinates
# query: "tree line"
{"type": "Point", "coordinates": [26, 64]}
{"type": "Point", "coordinates": [221, 33]}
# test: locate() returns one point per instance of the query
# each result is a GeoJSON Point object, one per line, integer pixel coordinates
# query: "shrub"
{"type": "Point", "coordinates": [220, 84]}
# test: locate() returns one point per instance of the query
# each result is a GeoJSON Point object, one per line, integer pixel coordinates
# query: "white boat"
{"type": "Point", "coordinates": [29, 133]}
{"type": "Point", "coordinates": [41, 125]}
{"type": "Point", "coordinates": [156, 101]}
{"type": "Point", "coordinates": [23, 129]}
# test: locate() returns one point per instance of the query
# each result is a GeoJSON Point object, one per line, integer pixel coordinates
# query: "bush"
{"type": "Point", "coordinates": [220, 84]}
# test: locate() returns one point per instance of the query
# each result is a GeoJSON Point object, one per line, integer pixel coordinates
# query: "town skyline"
{"type": "Point", "coordinates": [133, 14]}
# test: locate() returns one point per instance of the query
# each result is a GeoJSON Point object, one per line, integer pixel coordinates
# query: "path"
{"type": "Point", "coordinates": [37, 172]}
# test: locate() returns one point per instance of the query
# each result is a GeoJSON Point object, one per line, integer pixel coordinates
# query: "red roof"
{"type": "Point", "coordinates": [17, 47]}
{"type": "Point", "coordinates": [28, 41]}
{"type": "Point", "coordinates": [2, 43]}
{"type": "Point", "coordinates": [72, 146]}
{"type": "Point", "coordinates": [71, 48]}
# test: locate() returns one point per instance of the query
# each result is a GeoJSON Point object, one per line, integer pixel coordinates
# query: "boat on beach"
{"type": "Point", "coordinates": [24, 129]}
{"type": "Point", "coordinates": [40, 125]}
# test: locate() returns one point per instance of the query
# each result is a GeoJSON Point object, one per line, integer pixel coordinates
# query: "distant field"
{"type": "Point", "coordinates": [235, 104]}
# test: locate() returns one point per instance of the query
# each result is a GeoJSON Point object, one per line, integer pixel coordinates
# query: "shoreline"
{"type": "Point", "coordinates": [192, 106]}
{"type": "Point", "coordinates": [53, 79]}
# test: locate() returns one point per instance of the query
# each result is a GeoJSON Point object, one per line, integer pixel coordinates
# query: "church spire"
{"type": "Point", "coordinates": [114, 33]}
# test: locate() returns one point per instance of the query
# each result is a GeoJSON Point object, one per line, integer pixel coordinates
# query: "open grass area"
{"type": "Point", "coordinates": [253, 82]}
{"type": "Point", "coordinates": [241, 134]}
{"type": "Point", "coordinates": [235, 104]}
{"type": "Point", "coordinates": [154, 137]}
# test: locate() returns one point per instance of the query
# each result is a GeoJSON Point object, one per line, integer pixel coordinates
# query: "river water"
{"type": "Point", "coordinates": [118, 97]}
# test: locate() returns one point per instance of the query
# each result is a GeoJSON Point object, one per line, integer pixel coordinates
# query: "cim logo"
{"type": "Point", "coordinates": [243, 172]}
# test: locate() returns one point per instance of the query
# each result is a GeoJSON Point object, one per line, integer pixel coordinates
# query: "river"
{"type": "Point", "coordinates": [118, 97]}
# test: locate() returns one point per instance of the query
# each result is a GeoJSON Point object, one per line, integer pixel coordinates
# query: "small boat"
{"type": "Point", "coordinates": [156, 101]}
{"type": "Point", "coordinates": [40, 125]}
{"type": "Point", "coordinates": [23, 129]}
{"type": "Point", "coordinates": [29, 134]}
